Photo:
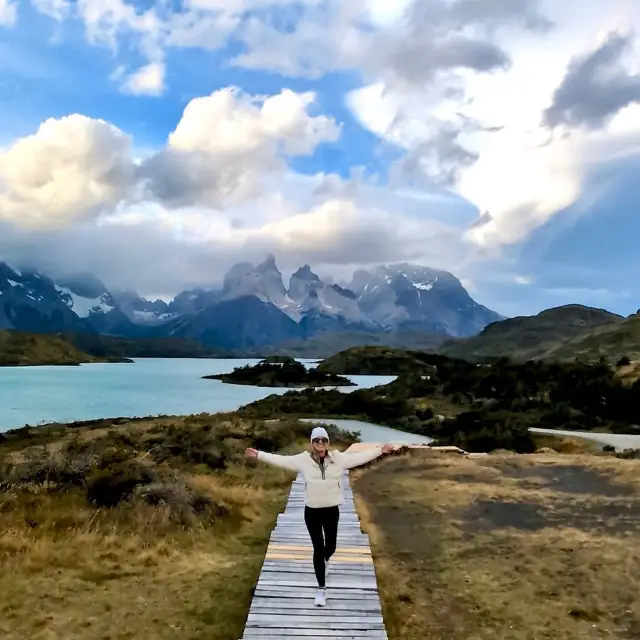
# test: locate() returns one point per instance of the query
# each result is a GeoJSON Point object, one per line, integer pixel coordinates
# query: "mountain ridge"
{"type": "Point", "coordinates": [253, 308]}
{"type": "Point", "coordinates": [557, 332]}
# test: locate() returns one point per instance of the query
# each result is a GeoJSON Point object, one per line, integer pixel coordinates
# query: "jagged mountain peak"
{"type": "Point", "coordinates": [343, 291]}
{"type": "Point", "coordinates": [269, 264]}
{"type": "Point", "coordinates": [264, 282]}
{"type": "Point", "coordinates": [303, 283]}
{"type": "Point", "coordinates": [304, 272]}
{"type": "Point", "coordinates": [84, 284]}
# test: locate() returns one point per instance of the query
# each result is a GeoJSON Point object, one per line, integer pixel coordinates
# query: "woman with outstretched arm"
{"type": "Point", "coordinates": [322, 471]}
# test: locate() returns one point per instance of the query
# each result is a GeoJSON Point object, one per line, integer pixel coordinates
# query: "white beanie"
{"type": "Point", "coordinates": [319, 432]}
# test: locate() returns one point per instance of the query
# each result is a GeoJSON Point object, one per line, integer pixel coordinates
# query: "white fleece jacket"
{"type": "Point", "coordinates": [327, 491]}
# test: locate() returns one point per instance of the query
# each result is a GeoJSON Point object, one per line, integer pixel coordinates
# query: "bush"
{"type": "Point", "coordinates": [117, 482]}
{"type": "Point", "coordinates": [629, 454]}
{"type": "Point", "coordinates": [184, 503]}
{"type": "Point", "coordinates": [196, 446]}
{"type": "Point", "coordinates": [623, 362]}
{"type": "Point", "coordinates": [45, 467]}
{"type": "Point", "coordinates": [476, 432]}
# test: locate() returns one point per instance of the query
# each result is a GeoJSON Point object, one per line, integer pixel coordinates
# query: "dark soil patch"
{"type": "Point", "coordinates": [566, 479]}
{"type": "Point", "coordinates": [614, 518]}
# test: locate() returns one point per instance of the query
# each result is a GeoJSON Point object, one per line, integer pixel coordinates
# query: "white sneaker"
{"type": "Point", "coordinates": [321, 598]}
{"type": "Point", "coordinates": [327, 566]}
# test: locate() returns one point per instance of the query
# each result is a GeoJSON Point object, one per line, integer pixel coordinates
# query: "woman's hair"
{"type": "Point", "coordinates": [316, 458]}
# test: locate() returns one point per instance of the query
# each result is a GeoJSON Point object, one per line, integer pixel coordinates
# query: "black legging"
{"type": "Point", "coordinates": [319, 520]}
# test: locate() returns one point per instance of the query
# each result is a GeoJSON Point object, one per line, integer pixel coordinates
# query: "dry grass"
{"type": "Point", "coordinates": [143, 569]}
{"type": "Point", "coordinates": [541, 547]}
{"type": "Point", "coordinates": [564, 444]}
{"type": "Point", "coordinates": [630, 373]}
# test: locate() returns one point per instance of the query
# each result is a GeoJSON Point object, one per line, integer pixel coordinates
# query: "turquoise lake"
{"type": "Point", "coordinates": [153, 386]}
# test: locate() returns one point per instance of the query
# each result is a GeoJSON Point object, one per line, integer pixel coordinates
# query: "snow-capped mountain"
{"type": "Point", "coordinates": [253, 307]}
{"type": "Point", "coordinates": [140, 310]}
{"type": "Point", "coordinates": [408, 296]}
{"type": "Point", "coordinates": [30, 301]}
{"type": "Point", "coordinates": [264, 282]}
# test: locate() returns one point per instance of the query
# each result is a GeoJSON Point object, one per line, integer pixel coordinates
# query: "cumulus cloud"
{"type": "Point", "coordinates": [435, 143]}
{"type": "Point", "coordinates": [341, 231]}
{"type": "Point", "coordinates": [71, 168]}
{"type": "Point", "coordinates": [227, 144]}
{"type": "Point", "coordinates": [223, 150]}
{"type": "Point", "coordinates": [8, 13]}
{"type": "Point", "coordinates": [195, 247]}
{"type": "Point", "coordinates": [107, 20]}
{"type": "Point", "coordinates": [596, 86]}
{"type": "Point", "coordinates": [146, 81]}
{"type": "Point", "coordinates": [484, 137]}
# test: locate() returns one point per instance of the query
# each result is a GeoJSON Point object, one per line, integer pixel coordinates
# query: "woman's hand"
{"type": "Point", "coordinates": [251, 453]}
{"type": "Point", "coordinates": [387, 448]}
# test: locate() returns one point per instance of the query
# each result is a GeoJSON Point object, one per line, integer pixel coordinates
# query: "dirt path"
{"type": "Point", "coordinates": [617, 440]}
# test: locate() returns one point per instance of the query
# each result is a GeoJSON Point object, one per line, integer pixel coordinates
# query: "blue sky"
{"type": "Point", "coordinates": [498, 140]}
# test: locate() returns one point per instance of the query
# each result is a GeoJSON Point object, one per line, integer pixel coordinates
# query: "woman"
{"type": "Point", "coordinates": [322, 471]}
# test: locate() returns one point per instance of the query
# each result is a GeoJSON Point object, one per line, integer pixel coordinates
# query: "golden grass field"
{"type": "Point", "coordinates": [505, 547]}
{"type": "Point", "coordinates": [178, 560]}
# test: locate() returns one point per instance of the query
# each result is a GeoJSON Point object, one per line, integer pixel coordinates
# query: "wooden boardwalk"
{"type": "Point", "coordinates": [282, 605]}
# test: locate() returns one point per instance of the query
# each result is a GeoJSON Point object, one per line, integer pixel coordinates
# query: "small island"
{"type": "Point", "coordinates": [281, 371]}
{"type": "Point", "coordinates": [379, 361]}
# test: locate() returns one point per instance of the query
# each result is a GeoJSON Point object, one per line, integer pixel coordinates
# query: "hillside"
{"type": "Point", "coordinates": [377, 361]}
{"type": "Point", "coordinates": [613, 341]}
{"type": "Point", "coordinates": [560, 332]}
{"type": "Point", "coordinates": [478, 408]}
{"type": "Point", "coordinates": [24, 349]}
{"type": "Point", "coordinates": [113, 347]}
{"type": "Point", "coordinates": [328, 343]}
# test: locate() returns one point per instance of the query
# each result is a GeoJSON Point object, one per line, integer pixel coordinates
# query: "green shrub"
{"type": "Point", "coordinates": [117, 482]}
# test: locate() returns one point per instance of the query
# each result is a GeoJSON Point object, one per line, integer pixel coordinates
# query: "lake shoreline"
{"type": "Point", "coordinates": [38, 395]}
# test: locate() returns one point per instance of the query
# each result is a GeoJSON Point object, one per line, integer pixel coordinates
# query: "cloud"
{"type": "Point", "coordinates": [106, 21]}
{"type": "Point", "coordinates": [8, 13]}
{"type": "Point", "coordinates": [226, 145]}
{"type": "Point", "coordinates": [495, 13]}
{"type": "Point", "coordinates": [310, 38]}
{"type": "Point", "coordinates": [71, 168]}
{"type": "Point", "coordinates": [431, 38]}
{"type": "Point", "coordinates": [484, 137]}
{"type": "Point", "coordinates": [146, 81]}
{"type": "Point", "coordinates": [223, 150]}
{"type": "Point", "coordinates": [342, 231]}
{"type": "Point", "coordinates": [596, 86]}
{"type": "Point", "coordinates": [56, 9]}
{"type": "Point", "coordinates": [195, 247]}
{"type": "Point", "coordinates": [470, 96]}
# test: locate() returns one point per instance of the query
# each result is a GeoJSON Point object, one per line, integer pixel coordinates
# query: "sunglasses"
{"type": "Point", "coordinates": [320, 441]}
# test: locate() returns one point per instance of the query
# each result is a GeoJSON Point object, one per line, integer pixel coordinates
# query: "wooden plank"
{"type": "Point", "coordinates": [282, 605]}
{"type": "Point", "coordinates": [338, 605]}
{"type": "Point", "coordinates": [314, 633]}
